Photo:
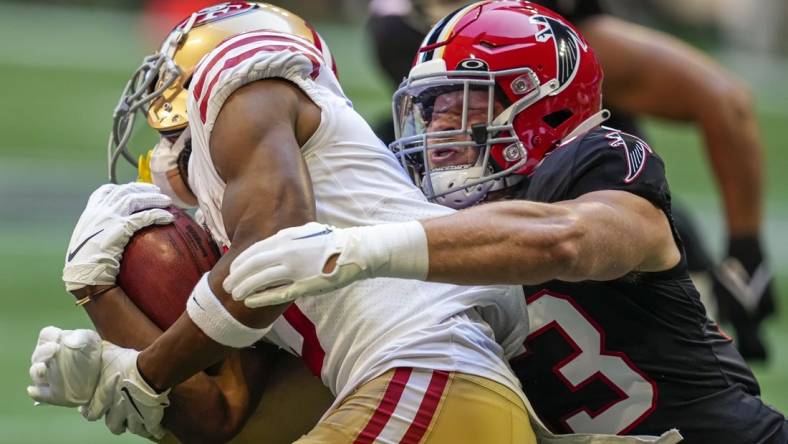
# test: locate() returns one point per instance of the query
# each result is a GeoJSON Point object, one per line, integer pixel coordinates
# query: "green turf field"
{"type": "Point", "coordinates": [60, 74]}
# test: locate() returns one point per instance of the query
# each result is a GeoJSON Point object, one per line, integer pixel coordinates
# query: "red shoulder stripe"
{"type": "Point", "coordinates": [231, 62]}
{"type": "Point", "coordinates": [207, 65]}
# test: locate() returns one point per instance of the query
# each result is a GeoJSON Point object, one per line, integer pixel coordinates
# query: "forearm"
{"type": "Point", "coordinates": [180, 352]}
{"type": "Point", "coordinates": [732, 141]}
{"type": "Point", "coordinates": [722, 108]}
{"type": "Point", "coordinates": [512, 242]}
{"type": "Point", "coordinates": [119, 321]}
{"type": "Point", "coordinates": [215, 409]}
{"type": "Point", "coordinates": [599, 236]}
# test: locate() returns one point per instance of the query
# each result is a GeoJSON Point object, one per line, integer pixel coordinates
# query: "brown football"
{"type": "Point", "coordinates": [162, 264]}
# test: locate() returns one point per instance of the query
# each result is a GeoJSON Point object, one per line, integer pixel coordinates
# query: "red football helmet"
{"type": "Point", "coordinates": [541, 83]}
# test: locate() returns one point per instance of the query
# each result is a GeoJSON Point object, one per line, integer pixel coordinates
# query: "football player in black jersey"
{"type": "Point", "coordinates": [619, 340]}
{"type": "Point", "coordinates": [650, 73]}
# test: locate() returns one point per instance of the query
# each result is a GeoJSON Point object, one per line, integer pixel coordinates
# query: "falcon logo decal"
{"type": "Point", "coordinates": [637, 154]}
{"type": "Point", "coordinates": [567, 47]}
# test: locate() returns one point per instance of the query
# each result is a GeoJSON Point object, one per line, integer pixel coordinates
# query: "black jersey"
{"type": "Point", "coordinates": [636, 355]}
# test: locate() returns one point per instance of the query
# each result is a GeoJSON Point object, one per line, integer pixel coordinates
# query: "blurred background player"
{"type": "Point", "coordinates": [650, 73]}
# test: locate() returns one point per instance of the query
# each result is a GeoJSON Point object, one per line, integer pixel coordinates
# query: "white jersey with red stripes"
{"type": "Point", "coordinates": [354, 334]}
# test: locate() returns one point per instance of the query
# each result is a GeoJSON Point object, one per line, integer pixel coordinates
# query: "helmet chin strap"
{"type": "Point", "coordinates": [466, 196]}
{"type": "Point", "coordinates": [587, 125]}
{"type": "Point", "coordinates": [461, 197]}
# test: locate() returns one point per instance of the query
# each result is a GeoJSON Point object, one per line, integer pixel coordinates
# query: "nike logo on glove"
{"type": "Point", "coordinates": [319, 233]}
{"type": "Point", "coordinates": [747, 289]}
{"type": "Point", "coordinates": [128, 397]}
{"type": "Point", "coordinates": [82, 244]}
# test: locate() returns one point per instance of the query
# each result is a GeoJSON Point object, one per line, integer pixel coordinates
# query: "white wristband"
{"type": "Point", "coordinates": [208, 313]}
{"type": "Point", "coordinates": [396, 250]}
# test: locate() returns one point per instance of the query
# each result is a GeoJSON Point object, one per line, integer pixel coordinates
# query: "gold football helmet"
{"type": "Point", "coordinates": [159, 87]}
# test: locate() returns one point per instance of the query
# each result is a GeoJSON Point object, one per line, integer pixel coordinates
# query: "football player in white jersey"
{"type": "Point", "coordinates": [275, 143]}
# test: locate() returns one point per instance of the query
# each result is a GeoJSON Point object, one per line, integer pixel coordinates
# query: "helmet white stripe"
{"type": "Point", "coordinates": [449, 28]}
{"type": "Point", "coordinates": [442, 30]}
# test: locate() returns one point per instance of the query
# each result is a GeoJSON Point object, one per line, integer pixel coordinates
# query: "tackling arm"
{"type": "Point", "coordinates": [649, 72]}
{"type": "Point", "coordinates": [600, 236]}
{"type": "Point", "coordinates": [255, 148]}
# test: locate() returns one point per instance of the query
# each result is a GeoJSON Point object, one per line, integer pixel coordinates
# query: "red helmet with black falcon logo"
{"type": "Point", "coordinates": [495, 86]}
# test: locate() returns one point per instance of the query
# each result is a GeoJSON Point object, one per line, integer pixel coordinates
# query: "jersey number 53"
{"type": "Point", "coordinates": [626, 396]}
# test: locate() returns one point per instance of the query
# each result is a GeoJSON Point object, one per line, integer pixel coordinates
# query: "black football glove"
{"type": "Point", "coordinates": [743, 286]}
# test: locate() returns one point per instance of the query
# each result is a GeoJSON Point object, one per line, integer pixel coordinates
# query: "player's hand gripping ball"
{"type": "Point", "coordinates": [112, 215]}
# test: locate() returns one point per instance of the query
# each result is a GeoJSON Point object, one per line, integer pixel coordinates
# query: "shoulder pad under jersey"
{"type": "Point", "coordinates": [246, 58]}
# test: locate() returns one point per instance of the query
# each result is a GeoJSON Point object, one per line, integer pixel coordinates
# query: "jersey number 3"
{"type": "Point", "coordinates": [591, 362]}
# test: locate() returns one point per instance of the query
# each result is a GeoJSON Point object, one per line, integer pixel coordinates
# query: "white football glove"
{"type": "Point", "coordinates": [112, 215]}
{"type": "Point", "coordinates": [289, 264]}
{"type": "Point", "coordinates": [76, 368]}
{"type": "Point", "coordinates": [123, 397]}
{"type": "Point", "coordinates": [65, 366]}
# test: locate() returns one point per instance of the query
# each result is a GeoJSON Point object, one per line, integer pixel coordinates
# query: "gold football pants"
{"type": "Point", "coordinates": [421, 406]}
